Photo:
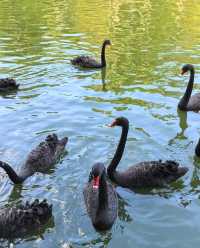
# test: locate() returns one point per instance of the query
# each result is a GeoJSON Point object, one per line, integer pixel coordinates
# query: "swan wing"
{"type": "Point", "coordinates": [151, 174]}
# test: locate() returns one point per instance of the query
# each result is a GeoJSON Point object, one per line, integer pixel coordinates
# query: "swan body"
{"type": "Point", "coordinates": [86, 61]}
{"type": "Point", "coordinates": [194, 103]}
{"type": "Point", "coordinates": [188, 102]}
{"type": "Point", "coordinates": [149, 174]}
{"type": "Point", "coordinates": [143, 174]}
{"type": "Point", "coordinates": [100, 199]}
{"type": "Point", "coordinates": [90, 62]}
{"type": "Point", "coordinates": [21, 220]}
{"type": "Point", "coordinates": [41, 159]}
{"type": "Point", "coordinates": [7, 84]}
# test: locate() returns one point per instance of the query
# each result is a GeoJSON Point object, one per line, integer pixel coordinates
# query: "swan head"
{"type": "Point", "coordinates": [107, 43]}
{"type": "Point", "coordinates": [98, 171]}
{"type": "Point", "coordinates": [186, 68]}
{"type": "Point", "coordinates": [120, 121]}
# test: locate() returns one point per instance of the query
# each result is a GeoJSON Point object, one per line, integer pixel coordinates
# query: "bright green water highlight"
{"type": "Point", "coordinates": [151, 40]}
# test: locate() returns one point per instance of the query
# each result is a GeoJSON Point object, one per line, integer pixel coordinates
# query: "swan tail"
{"type": "Point", "coordinates": [11, 173]}
{"type": "Point", "coordinates": [8, 83]}
{"type": "Point", "coordinates": [174, 168]}
{"type": "Point", "coordinates": [37, 211]}
{"type": "Point", "coordinates": [169, 169]}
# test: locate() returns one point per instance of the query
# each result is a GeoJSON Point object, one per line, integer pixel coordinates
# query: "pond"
{"type": "Point", "coordinates": [151, 40]}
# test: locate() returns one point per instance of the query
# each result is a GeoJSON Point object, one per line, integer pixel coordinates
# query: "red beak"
{"type": "Point", "coordinates": [182, 72]}
{"type": "Point", "coordinates": [95, 184]}
{"type": "Point", "coordinates": [112, 124]}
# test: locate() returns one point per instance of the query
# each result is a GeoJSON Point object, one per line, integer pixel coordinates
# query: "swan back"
{"type": "Point", "coordinates": [18, 221]}
{"type": "Point", "coordinates": [44, 155]}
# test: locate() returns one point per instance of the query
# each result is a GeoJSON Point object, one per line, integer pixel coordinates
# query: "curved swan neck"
{"type": "Point", "coordinates": [103, 195]}
{"type": "Point", "coordinates": [11, 173]}
{"type": "Point", "coordinates": [197, 149]}
{"type": "Point", "coordinates": [186, 97]}
{"type": "Point", "coordinates": [120, 150]}
{"type": "Point", "coordinates": [103, 57]}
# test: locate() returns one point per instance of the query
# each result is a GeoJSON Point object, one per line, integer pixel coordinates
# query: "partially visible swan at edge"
{"type": "Point", "coordinates": [8, 84]}
{"type": "Point", "coordinates": [18, 221]}
{"type": "Point", "coordinates": [188, 102]}
{"type": "Point", "coordinates": [197, 149]}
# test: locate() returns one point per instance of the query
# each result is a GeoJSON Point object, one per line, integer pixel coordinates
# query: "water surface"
{"type": "Point", "coordinates": [151, 40]}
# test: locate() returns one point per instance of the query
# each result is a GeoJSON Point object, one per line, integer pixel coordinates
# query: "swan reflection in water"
{"type": "Point", "coordinates": [123, 213]}
{"type": "Point", "coordinates": [182, 115]}
{"type": "Point", "coordinates": [103, 78]}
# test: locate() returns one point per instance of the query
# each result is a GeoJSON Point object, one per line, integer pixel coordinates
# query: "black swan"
{"type": "Point", "coordinates": [188, 102]}
{"type": "Point", "coordinates": [7, 84]}
{"type": "Point", "coordinates": [89, 62]}
{"type": "Point", "coordinates": [40, 159]}
{"type": "Point", "coordinates": [100, 199]}
{"type": "Point", "coordinates": [197, 149]}
{"type": "Point", "coordinates": [21, 220]}
{"type": "Point", "coordinates": [143, 174]}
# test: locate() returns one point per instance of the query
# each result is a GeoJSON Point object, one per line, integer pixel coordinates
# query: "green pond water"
{"type": "Point", "coordinates": [151, 40]}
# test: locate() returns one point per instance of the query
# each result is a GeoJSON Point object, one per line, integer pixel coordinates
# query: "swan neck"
{"type": "Point", "coordinates": [11, 173]}
{"type": "Point", "coordinates": [119, 152]}
{"type": "Point", "coordinates": [103, 195]}
{"type": "Point", "coordinates": [103, 56]}
{"type": "Point", "coordinates": [197, 149]}
{"type": "Point", "coordinates": [186, 97]}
